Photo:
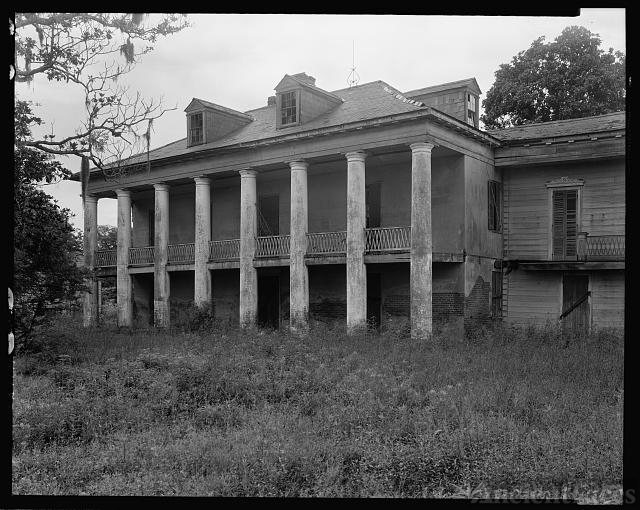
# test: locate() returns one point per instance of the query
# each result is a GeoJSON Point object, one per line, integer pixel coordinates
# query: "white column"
{"type": "Point", "coordinates": [123, 280]}
{"type": "Point", "coordinates": [356, 223]}
{"type": "Point", "coordinates": [161, 252]}
{"type": "Point", "coordinates": [90, 238]}
{"type": "Point", "coordinates": [202, 283]}
{"type": "Point", "coordinates": [248, 233]}
{"type": "Point", "coordinates": [421, 241]}
{"type": "Point", "coordinates": [298, 272]}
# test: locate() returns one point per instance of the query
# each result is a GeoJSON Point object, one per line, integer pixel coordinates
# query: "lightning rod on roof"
{"type": "Point", "coordinates": [354, 77]}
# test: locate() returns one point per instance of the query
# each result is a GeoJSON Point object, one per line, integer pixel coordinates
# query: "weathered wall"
{"type": "Point", "coordinates": [281, 187]}
{"type": "Point", "coordinates": [477, 290]}
{"type": "Point", "coordinates": [225, 211]}
{"type": "Point", "coordinates": [226, 294]}
{"type": "Point", "coordinates": [527, 206]}
{"type": "Point", "coordinates": [607, 298]}
{"type": "Point", "coordinates": [327, 293]}
{"type": "Point", "coordinates": [479, 240]}
{"type": "Point", "coordinates": [533, 296]}
{"type": "Point", "coordinates": [181, 293]}
{"type": "Point", "coordinates": [142, 298]}
{"type": "Point", "coordinates": [140, 208]}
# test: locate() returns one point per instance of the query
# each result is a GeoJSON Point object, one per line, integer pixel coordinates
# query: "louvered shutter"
{"type": "Point", "coordinates": [559, 218]}
{"type": "Point", "coordinates": [571, 222]}
{"type": "Point", "coordinates": [565, 223]}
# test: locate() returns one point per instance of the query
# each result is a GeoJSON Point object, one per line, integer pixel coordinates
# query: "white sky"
{"type": "Point", "coordinates": [236, 60]}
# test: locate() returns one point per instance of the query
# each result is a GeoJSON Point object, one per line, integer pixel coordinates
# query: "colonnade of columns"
{"type": "Point", "coordinates": [356, 291]}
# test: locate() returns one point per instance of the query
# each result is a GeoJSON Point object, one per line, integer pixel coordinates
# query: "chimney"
{"type": "Point", "coordinates": [305, 78]}
{"type": "Point", "coordinates": [271, 101]}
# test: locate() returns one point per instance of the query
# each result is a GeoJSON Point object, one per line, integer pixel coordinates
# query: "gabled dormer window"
{"type": "Point", "coordinates": [196, 131]}
{"type": "Point", "coordinates": [289, 108]}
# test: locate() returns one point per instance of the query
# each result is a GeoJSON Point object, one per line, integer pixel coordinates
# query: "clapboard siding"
{"type": "Point", "coordinates": [533, 297]}
{"type": "Point", "coordinates": [527, 208]}
{"type": "Point", "coordinates": [607, 298]}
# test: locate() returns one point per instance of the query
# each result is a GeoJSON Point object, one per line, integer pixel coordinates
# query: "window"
{"type": "Point", "coordinates": [496, 294]}
{"type": "Point", "coordinates": [564, 223]}
{"type": "Point", "coordinates": [195, 129]}
{"type": "Point", "coordinates": [289, 108]}
{"type": "Point", "coordinates": [495, 206]}
{"type": "Point", "coordinates": [471, 110]}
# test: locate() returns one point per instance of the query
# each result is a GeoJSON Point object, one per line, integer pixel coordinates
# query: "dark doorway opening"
{"type": "Point", "coordinates": [372, 201]}
{"type": "Point", "coordinates": [374, 299]}
{"type": "Point", "coordinates": [575, 303]}
{"type": "Point", "coordinates": [269, 215]}
{"type": "Point", "coordinates": [269, 301]}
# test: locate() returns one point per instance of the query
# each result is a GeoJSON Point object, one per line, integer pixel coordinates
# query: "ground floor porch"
{"type": "Point", "coordinates": [461, 295]}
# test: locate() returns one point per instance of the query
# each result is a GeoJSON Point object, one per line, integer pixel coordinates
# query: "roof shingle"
{"type": "Point", "coordinates": [568, 127]}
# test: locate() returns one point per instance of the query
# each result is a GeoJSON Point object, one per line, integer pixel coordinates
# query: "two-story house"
{"type": "Point", "coordinates": [564, 221]}
{"type": "Point", "coordinates": [358, 204]}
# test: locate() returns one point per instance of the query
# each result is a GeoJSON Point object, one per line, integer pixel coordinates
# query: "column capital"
{"type": "Point", "coordinates": [298, 164]}
{"type": "Point", "coordinates": [161, 186]}
{"type": "Point", "coordinates": [247, 172]}
{"type": "Point", "coordinates": [422, 147]}
{"type": "Point", "coordinates": [355, 155]}
{"type": "Point", "coordinates": [201, 180]}
{"type": "Point", "coordinates": [90, 199]}
{"type": "Point", "coordinates": [125, 193]}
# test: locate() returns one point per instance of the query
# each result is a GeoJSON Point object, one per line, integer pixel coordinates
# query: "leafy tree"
{"type": "Point", "coordinates": [92, 51]}
{"type": "Point", "coordinates": [47, 248]}
{"type": "Point", "coordinates": [107, 237]}
{"type": "Point", "coordinates": [568, 78]}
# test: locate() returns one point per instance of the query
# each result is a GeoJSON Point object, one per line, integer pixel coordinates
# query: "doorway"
{"type": "Point", "coordinates": [575, 303]}
{"type": "Point", "coordinates": [269, 301]}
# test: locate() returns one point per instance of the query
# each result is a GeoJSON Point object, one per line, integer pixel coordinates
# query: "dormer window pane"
{"type": "Point", "coordinates": [195, 129]}
{"type": "Point", "coordinates": [289, 108]}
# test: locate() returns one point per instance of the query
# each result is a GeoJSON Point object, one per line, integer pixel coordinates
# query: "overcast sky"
{"type": "Point", "coordinates": [236, 60]}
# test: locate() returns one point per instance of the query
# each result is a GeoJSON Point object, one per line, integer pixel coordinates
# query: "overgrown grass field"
{"type": "Point", "coordinates": [510, 411]}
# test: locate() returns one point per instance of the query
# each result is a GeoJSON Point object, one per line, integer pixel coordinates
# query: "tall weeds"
{"type": "Point", "coordinates": [221, 411]}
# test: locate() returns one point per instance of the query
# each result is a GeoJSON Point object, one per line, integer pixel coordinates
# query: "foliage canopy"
{"type": "Point", "coordinates": [568, 78]}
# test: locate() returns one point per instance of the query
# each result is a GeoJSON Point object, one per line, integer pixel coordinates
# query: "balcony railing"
{"type": "Point", "coordinates": [141, 256]}
{"type": "Point", "coordinates": [388, 239]}
{"type": "Point", "coordinates": [321, 243]}
{"type": "Point", "coordinates": [105, 258]}
{"type": "Point", "coordinates": [272, 246]}
{"type": "Point", "coordinates": [600, 247]}
{"type": "Point", "coordinates": [181, 253]}
{"type": "Point", "coordinates": [225, 249]}
{"type": "Point", "coordinates": [318, 243]}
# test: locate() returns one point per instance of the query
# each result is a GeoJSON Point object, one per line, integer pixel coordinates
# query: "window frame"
{"type": "Point", "coordinates": [192, 129]}
{"type": "Point", "coordinates": [498, 204]}
{"type": "Point", "coordinates": [281, 96]}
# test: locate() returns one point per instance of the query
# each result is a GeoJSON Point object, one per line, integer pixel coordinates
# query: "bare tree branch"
{"type": "Point", "coordinates": [83, 49]}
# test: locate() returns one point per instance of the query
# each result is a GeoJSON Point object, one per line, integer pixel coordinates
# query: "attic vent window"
{"type": "Point", "coordinates": [195, 129]}
{"type": "Point", "coordinates": [289, 108]}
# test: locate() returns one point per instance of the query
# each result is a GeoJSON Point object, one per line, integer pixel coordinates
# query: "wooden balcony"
{"type": "Point", "coordinates": [378, 241]}
{"type": "Point", "coordinates": [105, 258]}
{"type": "Point", "coordinates": [273, 246]}
{"type": "Point", "coordinates": [596, 248]}
{"type": "Point", "coordinates": [387, 239]}
{"type": "Point", "coordinates": [181, 253]}
{"type": "Point", "coordinates": [327, 243]}
{"type": "Point", "coordinates": [224, 250]}
{"type": "Point", "coordinates": [141, 256]}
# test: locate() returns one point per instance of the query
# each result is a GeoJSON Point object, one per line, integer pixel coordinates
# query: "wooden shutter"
{"type": "Point", "coordinates": [565, 223]}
